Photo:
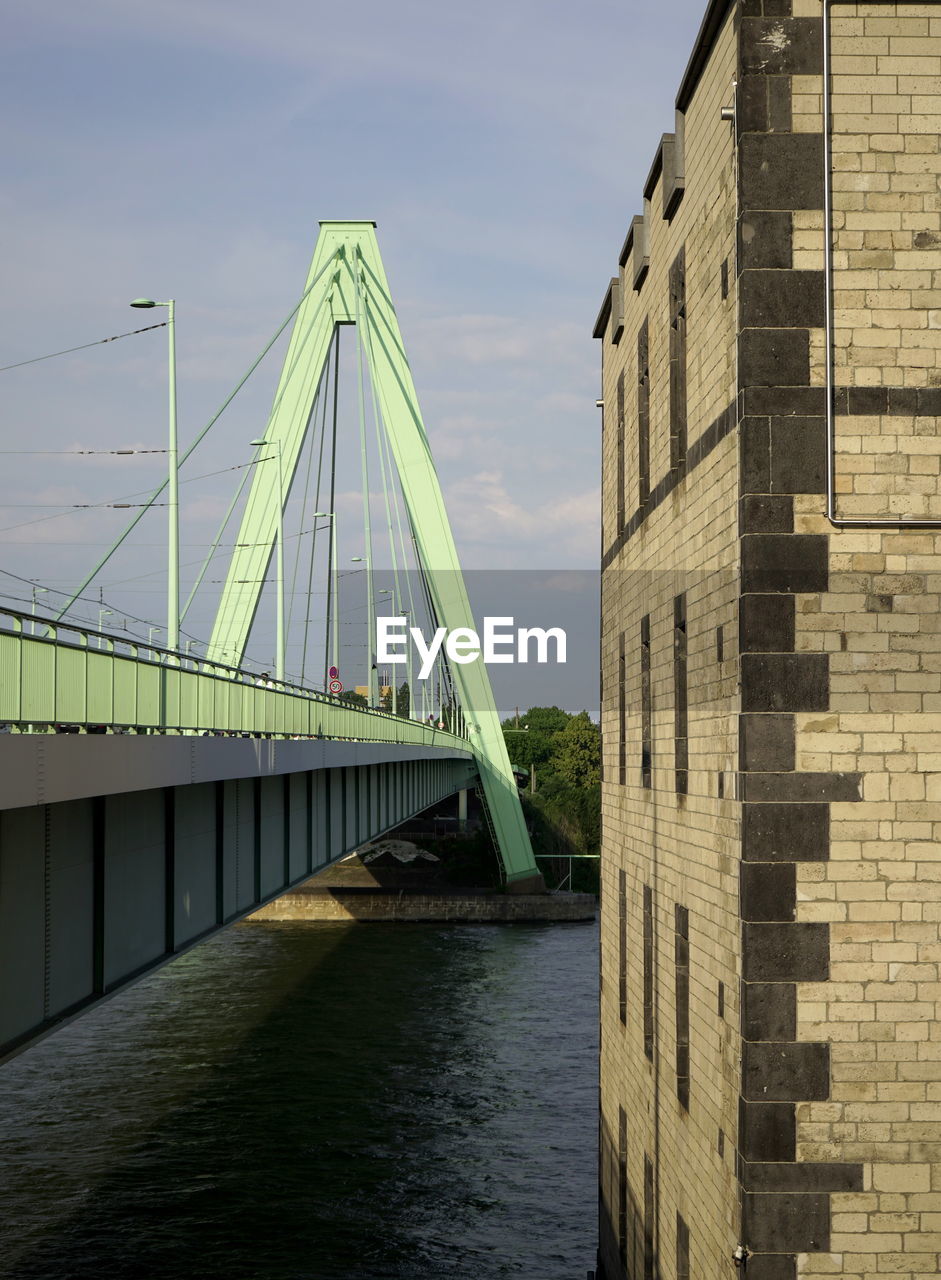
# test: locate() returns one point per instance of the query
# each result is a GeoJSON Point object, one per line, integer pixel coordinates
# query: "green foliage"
{"type": "Point", "coordinates": [402, 700]}
{"type": "Point", "coordinates": [577, 754]}
{"type": "Point", "coordinates": [529, 740]}
{"type": "Point", "coordinates": [564, 813]}
{"type": "Point", "coordinates": [357, 699]}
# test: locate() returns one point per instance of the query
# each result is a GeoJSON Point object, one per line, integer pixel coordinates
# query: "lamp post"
{"type": "Point", "coordinates": [371, 636]}
{"type": "Point", "coordinates": [102, 614]}
{"type": "Point", "coordinates": [279, 563]}
{"type": "Point", "coordinates": [150, 636]}
{"type": "Point", "coordinates": [37, 591]}
{"type": "Point", "coordinates": [334, 612]}
{"type": "Point", "coordinates": [173, 493]}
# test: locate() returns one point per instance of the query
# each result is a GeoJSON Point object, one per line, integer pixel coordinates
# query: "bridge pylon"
{"type": "Point", "coordinates": [347, 285]}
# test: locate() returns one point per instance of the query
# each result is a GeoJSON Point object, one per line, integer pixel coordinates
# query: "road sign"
{"type": "Point", "coordinates": [336, 686]}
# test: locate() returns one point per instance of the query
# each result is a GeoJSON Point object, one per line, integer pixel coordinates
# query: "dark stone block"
{"type": "Point", "coordinates": [803, 1177]}
{"type": "Point", "coordinates": [784, 401]}
{"type": "Point", "coordinates": [795, 562]}
{"type": "Point", "coordinates": [867, 400]}
{"type": "Point", "coordinates": [766, 742]}
{"type": "Point", "coordinates": [786, 832]}
{"type": "Point", "coordinates": [765, 240]}
{"type": "Point", "coordinates": [768, 891]}
{"type": "Point", "coordinates": [779, 1223]}
{"type": "Point", "coordinates": [786, 952]}
{"type": "Point", "coordinates": [798, 455]}
{"type": "Point", "coordinates": [802, 788]}
{"type": "Point", "coordinates": [767, 1131]}
{"type": "Point", "coordinates": [785, 682]}
{"type": "Point", "coordinates": [786, 1072]}
{"type": "Point", "coordinates": [766, 513]}
{"type": "Point", "coordinates": [755, 455]}
{"type": "Point", "coordinates": [782, 299]}
{"type": "Point", "coordinates": [903, 400]}
{"type": "Point", "coordinates": [766, 624]}
{"type": "Point", "coordinates": [929, 401]}
{"type": "Point", "coordinates": [772, 1266]}
{"type": "Point", "coordinates": [778, 8]}
{"type": "Point", "coordinates": [779, 104]}
{"type": "Point", "coordinates": [880, 604]}
{"type": "Point", "coordinates": [769, 1011]}
{"type": "Point", "coordinates": [771, 46]}
{"type": "Point", "coordinates": [781, 170]}
{"type": "Point", "coordinates": [752, 114]}
{"type": "Point", "coordinates": [840, 399]}
{"type": "Point", "coordinates": [774, 358]}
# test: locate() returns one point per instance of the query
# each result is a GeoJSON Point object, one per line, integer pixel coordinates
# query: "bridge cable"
{"type": "Point", "coordinates": [308, 442]}
{"type": "Point", "coordinates": [385, 476]}
{"type": "Point", "coordinates": [249, 473]}
{"type": "Point", "coordinates": [330, 387]}
{"type": "Point", "coordinates": [333, 586]}
{"type": "Point", "coordinates": [367, 525]}
{"type": "Point", "coordinates": [212, 421]}
{"type": "Point", "coordinates": [320, 404]}
{"type": "Point", "coordinates": [390, 481]}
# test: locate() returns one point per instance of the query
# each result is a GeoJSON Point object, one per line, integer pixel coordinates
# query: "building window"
{"type": "Point", "coordinates": [649, 1210]}
{"type": "Point", "coordinates": [680, 696]}
{"type": "Point", "coordinates": [621, 511]}
{"type": "Point", "coordinates": [622, 710]}
{"type": "Point", "coordinates": [682, 1249]}
{"type": "Point", "coordinates": [622, 944]}
{"type": "Point", "coordinates": [622, 1185]}
{"type": "Point", "coordinates": [648, 971]}
{"type": "Point", "coordinates": [678, 361]}
{"type": "Point", "coordinates": [646, 748]}
{"type": "Point", "coordinates": [682, 1004]}
{"type": "Point", "coordinates": [643, 413]}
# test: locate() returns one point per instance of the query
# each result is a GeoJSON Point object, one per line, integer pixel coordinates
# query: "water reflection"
{"type": "Point", "coordinates": [334, 1102]}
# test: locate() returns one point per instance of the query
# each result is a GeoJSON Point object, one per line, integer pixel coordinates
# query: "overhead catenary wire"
{"type": "Point", "coordinates": [255, 461]}
{"type": "Point", "coordinates": [82, 347]}
{"type": "Point", "coordinates": [212, 421]}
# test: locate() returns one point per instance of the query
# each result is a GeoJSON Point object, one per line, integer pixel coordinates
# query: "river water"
{"type": "Point", "coordinates": [329, 1102]}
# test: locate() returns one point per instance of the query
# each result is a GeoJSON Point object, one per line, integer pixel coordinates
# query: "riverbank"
{"type": "Point", "coordinates": [314, 902]}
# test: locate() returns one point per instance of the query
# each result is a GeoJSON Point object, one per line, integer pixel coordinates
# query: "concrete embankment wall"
{"type": "Point", "coordinates": [418, 907]}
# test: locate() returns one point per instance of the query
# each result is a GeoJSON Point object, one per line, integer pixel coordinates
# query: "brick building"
{"type": "Point", "coordinates": [771, 660]}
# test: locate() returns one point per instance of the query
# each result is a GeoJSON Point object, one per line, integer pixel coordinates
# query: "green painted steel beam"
{"type": "Point", "coordinates": [359, 282]}
{"type": "Point", "coordinates": [59, 678]}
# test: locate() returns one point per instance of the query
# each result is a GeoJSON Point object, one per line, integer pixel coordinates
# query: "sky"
{"type": "Point", "coordinates": [188, 148]}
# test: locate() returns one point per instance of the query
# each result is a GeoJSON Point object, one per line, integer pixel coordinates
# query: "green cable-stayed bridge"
{"type": "Point", "coordinates": [148, 796]}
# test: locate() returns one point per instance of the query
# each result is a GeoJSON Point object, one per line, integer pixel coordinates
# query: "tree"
{"type": "Point", "coordinates": [577, 754]}
{"type": "Point", "coordinates": [356, 699]}
{"type": "Point", "coordinates": [402, 700]}
{"type": "Point", "coordinates": [529, 741]}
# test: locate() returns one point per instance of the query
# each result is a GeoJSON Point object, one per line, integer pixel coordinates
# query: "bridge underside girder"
{"type": "Point", "coordinates": [99, 889]}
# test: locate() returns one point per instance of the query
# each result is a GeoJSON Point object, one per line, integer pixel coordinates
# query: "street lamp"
{"type": "Point", "coordinates": [279, 507]}
{"type": "Point", "coordinates": [173, 494]}
{"type": "Point", "coordinates": [102, 614]}
{"type": "Point", "coordinates": [334, 613]}
{"type": "Point", "coordinates": [37, 591]}
{"type": "Point", "coordinates": [371, 637]}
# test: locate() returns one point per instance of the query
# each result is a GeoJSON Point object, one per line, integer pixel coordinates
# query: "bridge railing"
{"type": "Point", "coordinates": [61, 678]}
